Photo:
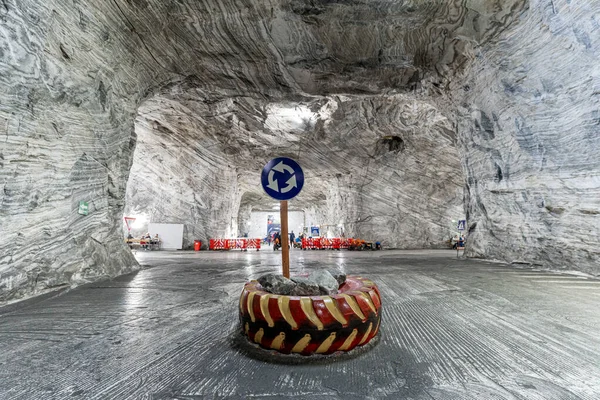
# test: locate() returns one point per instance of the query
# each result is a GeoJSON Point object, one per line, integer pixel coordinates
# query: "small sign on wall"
{"type": "Point", "coordinates": [83, 208]}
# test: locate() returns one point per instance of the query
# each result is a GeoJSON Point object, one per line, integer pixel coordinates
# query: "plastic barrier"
{"type": "Point", "coordinates": [233, 244]}
{"type": "Point", "coordinates": [311, 243]}
{"type": "Point", "coordinates": [239, 243]}
{"type": "Point", "coordinates": [326, 243]}
{"type": "Point", "coordinates": [253, 244]}
{"type": "Point", "coordinates": [336, 243]}
{"type": "Point", "coordinates": [315, 243]}
{"type": "Point", "coordinates": [218, 244]}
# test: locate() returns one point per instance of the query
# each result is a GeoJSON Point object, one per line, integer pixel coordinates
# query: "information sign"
{"type": "Point", "coordinates": [282, 178]}
{"type": "Point", "coordinates": [83, 208]}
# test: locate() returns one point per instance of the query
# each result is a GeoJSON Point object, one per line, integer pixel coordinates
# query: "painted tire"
{"type": "Point", "coordinates": [312, 324]}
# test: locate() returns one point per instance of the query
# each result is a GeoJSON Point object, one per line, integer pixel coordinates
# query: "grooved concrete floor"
{"type": "Point", "coordinates": [451, 329]}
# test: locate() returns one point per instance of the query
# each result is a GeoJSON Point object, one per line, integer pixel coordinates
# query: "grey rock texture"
{"type": "Point", "coordinates": [529, 135]}
{"type": "Point", "coordinates": [305, 286]}
{"type": "Point", "coordinates": [326, 282]}
{"type": "Point", "coordinates": [339, 276]}
{"type": "Point", "coordinates": [275, 283]}
{"type": "Point", "coordinates": [399, 112]}
{"type": "Point", "coordinates": [453, 329]}
{"type": "Point", "coordinates": [317, 282]}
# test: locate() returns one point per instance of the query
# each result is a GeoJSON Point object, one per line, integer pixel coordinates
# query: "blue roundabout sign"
{"type": "Point", "coordinates": [282, 178]}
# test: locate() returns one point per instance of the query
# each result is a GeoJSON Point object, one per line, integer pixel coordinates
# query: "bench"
{"type": "Point", "coordinates": [152, 244]}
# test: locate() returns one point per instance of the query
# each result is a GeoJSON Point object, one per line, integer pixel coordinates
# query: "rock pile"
{"type": "Point", "coordinates": [320, 282]}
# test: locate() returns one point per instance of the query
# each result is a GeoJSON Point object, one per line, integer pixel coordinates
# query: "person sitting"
{"type": "Point", "coordinates": [454, 241]}
{"type": "Point", "coordinates": [145, 241]}
{"type": "Point", "coordinates": [129, 237]}
{"type": "Point", "coordinates": [461, 241]}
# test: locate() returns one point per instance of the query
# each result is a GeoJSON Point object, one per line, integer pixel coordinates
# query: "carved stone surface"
{"type": "Point", "coordinates": [339, 276]}
{"type": "Point", "coordinates": [275, 283]}
{"type": "Point", "coordinates": [317, 282]}
{"type": "Point", "coordinates": [326, 282]}
{"type": "Point", "coordinates": [529, 140]}
{"type": "Point", "coordinates": [305, 286]}
{"type": "Point", "coordinates": [399, 112]}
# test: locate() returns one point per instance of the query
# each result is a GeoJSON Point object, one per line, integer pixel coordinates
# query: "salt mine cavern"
{"type": "Point", "coordinates": [441, 239]}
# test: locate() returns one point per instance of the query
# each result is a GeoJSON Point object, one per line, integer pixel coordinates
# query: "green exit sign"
{"type": "Point", "coordinates": [83, 208]}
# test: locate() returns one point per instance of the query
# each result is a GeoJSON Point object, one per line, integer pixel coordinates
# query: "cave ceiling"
{"type": "Point", "coordinates": [327, 83]}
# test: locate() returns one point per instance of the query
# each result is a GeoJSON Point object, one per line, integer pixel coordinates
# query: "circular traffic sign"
{"type": "Point", "coordinates": [282, 178]}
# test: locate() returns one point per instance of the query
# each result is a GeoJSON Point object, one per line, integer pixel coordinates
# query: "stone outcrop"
{"type": "Point", "coordinates": [529, 130]}
{"type": "Point", "coordinates": [400, 113]}
{"type": "Point", "coordinates": [274, 283]}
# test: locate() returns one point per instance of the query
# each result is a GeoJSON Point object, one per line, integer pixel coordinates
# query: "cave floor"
{"type": "Point", "coordinates": [451, 329]}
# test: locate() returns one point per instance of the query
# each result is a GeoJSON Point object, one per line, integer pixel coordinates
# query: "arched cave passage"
{"type": "Point", "coordinates": [198, 160]}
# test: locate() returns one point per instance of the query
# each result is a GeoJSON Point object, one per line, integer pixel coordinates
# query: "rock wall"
{"type": "Point", "coordinates": [72, 78]}
{"type": "Point", "coordinates": [381, 102]}
{"type": "Point", "coordinates": [530, 140]}
{"type": "Point", "coordinates": [183, 179]}
{"type": "Point", "coordinates": [66, 138]}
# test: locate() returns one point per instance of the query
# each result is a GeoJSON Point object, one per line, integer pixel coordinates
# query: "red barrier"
{"type": "Point", "coordinates": [254, 244]}
{"type": "Point", "coordinates": [312, 243]}
{"type": "Point", "coordinates": [218, 244]}
{"type": "Point", "coordinates": [239, 243]}
{"type": "Point", "coordinates": [326, 243]}
{"type": "Point", "coordinates": [315, 243]}
{"type": "Point", "coordinates": [232, 244]}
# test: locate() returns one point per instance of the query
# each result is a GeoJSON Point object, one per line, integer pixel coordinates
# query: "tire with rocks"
{"type": "Point", "coordinates": [312, 324]}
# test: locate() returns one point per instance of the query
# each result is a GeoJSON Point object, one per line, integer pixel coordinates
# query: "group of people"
{"type": "Point", "coordinates": [146, 241]}
{"type": "Point", "coordinates": [458, 241]}
{"type": "Point", "coordinates": [294, 241]}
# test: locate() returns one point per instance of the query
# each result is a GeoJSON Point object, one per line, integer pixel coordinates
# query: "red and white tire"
{"type": "Point", "coordinates": [312, 324]}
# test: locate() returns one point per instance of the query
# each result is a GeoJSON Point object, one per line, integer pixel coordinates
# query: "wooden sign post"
{"type": "Point", "coordinates": [285, 251]}
{"type": "Point", "coordinates": [282, 179]}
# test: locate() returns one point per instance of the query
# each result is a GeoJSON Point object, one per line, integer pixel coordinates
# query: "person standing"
{"type": "Point", "coordinates": [292, 239]}
{"type": "Point", "coordinates": [276, 240]}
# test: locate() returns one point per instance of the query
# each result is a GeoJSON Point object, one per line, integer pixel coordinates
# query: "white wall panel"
{"type": "Point", "coordinates": [170, 235]}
